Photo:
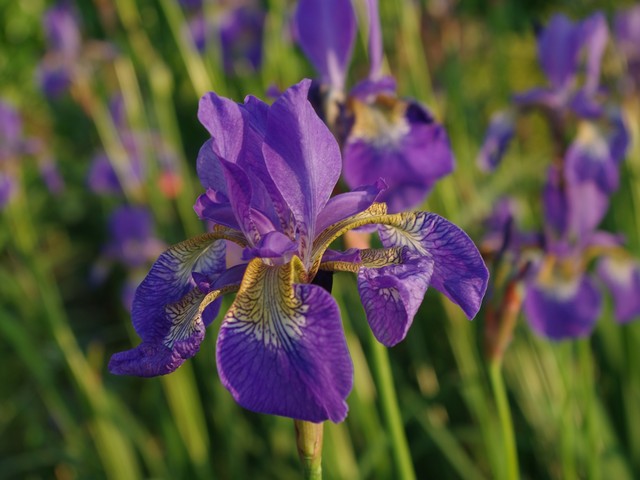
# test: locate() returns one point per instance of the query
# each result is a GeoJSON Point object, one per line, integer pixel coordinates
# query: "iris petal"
{"type": "Point", "coordinates": [622, 277]}
{"type": "Point", "coordinates": [563, 310]}
{"type": "Point", "coordinates": [326, 30]}
{"type": "Point", "coordinates": [167, 308]}
{"type": "Point", "coordinates": [281, 348]}
{"type": "Point", "coordinates": [302, 156]}
{"type": "Point", "coordinates": [458, 272]}
{"type": "Point", "coordinates": [392, 294]}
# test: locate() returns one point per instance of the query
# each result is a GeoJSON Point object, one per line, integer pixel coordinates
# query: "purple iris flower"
{"type": "Point", "coordinates": [132, 241]}
{"type": "Point", "coordinates": [239, 28]}
{"type": "Point", "coordinates": [382, 136]}
{"type": "Point", "coordinates": [626, 30]}
{"type": "Point", "coordinates": [241, 31]}
{"type": "Point", "coordinates": [269, 172]}
{"type": "Point", "coordinates": [496, 140]}
{"type": "Point", "coordinates": [7, 189]}
{"type": "Point", "coordinates": [621, 275]}
{"type": "Point", "coordinates": [563, 300]}
{"type": "Point", "coordinates": [103, 179]}
{"type": "Point", "coordinates": [61, 28]}
{"type": "Point", "coordinates": [596, 155]}
{"type": "Point", "coordinates": [14, 146]}
{"type": "Point", "coordinates": [560, 45]}
{"type": "Point", "coordinates": [66, 55]}
{"type": "Point", "coordinates": [132, 244]}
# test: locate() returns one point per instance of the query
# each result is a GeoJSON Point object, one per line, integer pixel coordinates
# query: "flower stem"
{"type": "Point", "coordinates": [588, 402]}
{"type": "Point", "coordinates": [399, 444]}
{"type": "Point", "coordinates": [309, 441]}
{"type": "Point", "coordinates": [506, 422]}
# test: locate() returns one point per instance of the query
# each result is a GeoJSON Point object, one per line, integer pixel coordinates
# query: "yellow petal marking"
{"type": "Point", "coordinates": [266, 305]}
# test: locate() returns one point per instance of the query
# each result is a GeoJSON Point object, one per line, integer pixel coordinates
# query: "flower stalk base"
{"type": "Point", "coordinates": [309, 442]}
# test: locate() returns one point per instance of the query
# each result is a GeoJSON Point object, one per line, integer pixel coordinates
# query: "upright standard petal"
{"type": "Point", "coordinates": [594, 34]}
{"type": "Point", "coordinates": [237, 132]}
{"type": "Point", "coordinates": [302, 156]}
{"type": "Point", "coordinates": [326, 30]}
{"type": "Point", "coordinates": [168, 306]}
{"type": "Point", "coordinates": [558, 49]}
{"type": "Point", "coordinates": [281, 348]}
{"type": "Point", "coordinates": [458, 269]}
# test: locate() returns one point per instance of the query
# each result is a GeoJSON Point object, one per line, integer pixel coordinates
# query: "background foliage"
{"type": "Point", "coordinates": [62, 415]}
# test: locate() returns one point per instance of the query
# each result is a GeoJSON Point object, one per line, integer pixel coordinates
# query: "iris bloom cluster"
{"type": "Point", "coordinates": [626, 30]}
{"type": "Point", "coordinates": [238, 28]}
{"type": "Point", "coordinates": [67, 56]}
{"type": "Point", "coordinates": [562, 296]}
{"type": "Point", "coordinates": [269, 172]}
{"type": "Point", "coordinates": [15, 146]}
{"type": "Point", "coordinates": [140, 147]}
{"type": "Point", "coordinates": [382, 135]}
{"type": "Point", "coordinates": [562, 46]}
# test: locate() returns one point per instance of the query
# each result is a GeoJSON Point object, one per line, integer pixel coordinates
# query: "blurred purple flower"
{"type": "Point", "coordinates": [191, 4]}
{"type": "Point", "coordinates": [325, 30]}
{"type": "Point", "coordinates": [401, 143]}
{"type": "Point", "coordinates": [621, 275]}
{"type": "Point", "coordinates": [563, 300]}
{"type": "Point", "coordinates": [269, 172]}
{"type": "Point", "coordinates": [626, 30]}
{"type": "Point", "coordinates": [14, 146]}
{"type": "Point", "coordinates": [62, 32]}
{"type": "Point", "coordinates": [66, 56]}
{"type": "Point", "coordinates": [11, 139]}
{"type": "Point", "coordinates": [132, 242]}
{"type": "Point", "coordinates": [140, 148]}
{"type": "Point", "coordinates": [559, 47]}
{"type": "Point", "coordinates": [496, 140]}
{"type": "Point", "coordinates": [241, 32]}
{"type": "Point", "coordinates": [503, 234]}
{"type": "Point", "coordinates": [7, 189]}
{"type": "Point", "coordinates": [382, 136]}
{"type": "Point", "coordinates": [596, 157]}
{"type": "Point", "coordinates": [239, 29]}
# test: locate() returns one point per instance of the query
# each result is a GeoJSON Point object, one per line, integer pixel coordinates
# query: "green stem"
{"type": "Point", "coordinates": [309, 441]}
{"type": "Point", "coordinates": [506, 422]}
{"type": "Point", "coordinates": [399, 445]}
{"type": "Point", "coordinates": [586, 364]}
{"type": "Point", "coordinates": [196, 68]}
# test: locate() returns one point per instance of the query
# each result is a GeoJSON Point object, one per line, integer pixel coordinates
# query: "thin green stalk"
{"type": "Point", "coordinates": [114, 448]}
{"type": "Point", "coordinates": [506, 422]}
{"type": "Point", "coordinates": [631, 392]}
{"type": "Point", "coordinates": [196, 68]}
{"type": "Point", "coordinates": [587, 401]}
{"type": "Point", "coordinates": [395, 426]}
{"type": "Point", "coordinates": [309, 442]}
{"type": "Point", "coordinates": [568, 456]}
{"type": "Point", "coordinates": [474, 391]}
{"type": "Point", "coordinates": [162, 91]}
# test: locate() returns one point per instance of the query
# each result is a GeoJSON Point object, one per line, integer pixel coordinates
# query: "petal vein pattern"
{"type": "Point", "coordinates": [458, 269]}
{"type": "Point", "coordinates": [281, 349]}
